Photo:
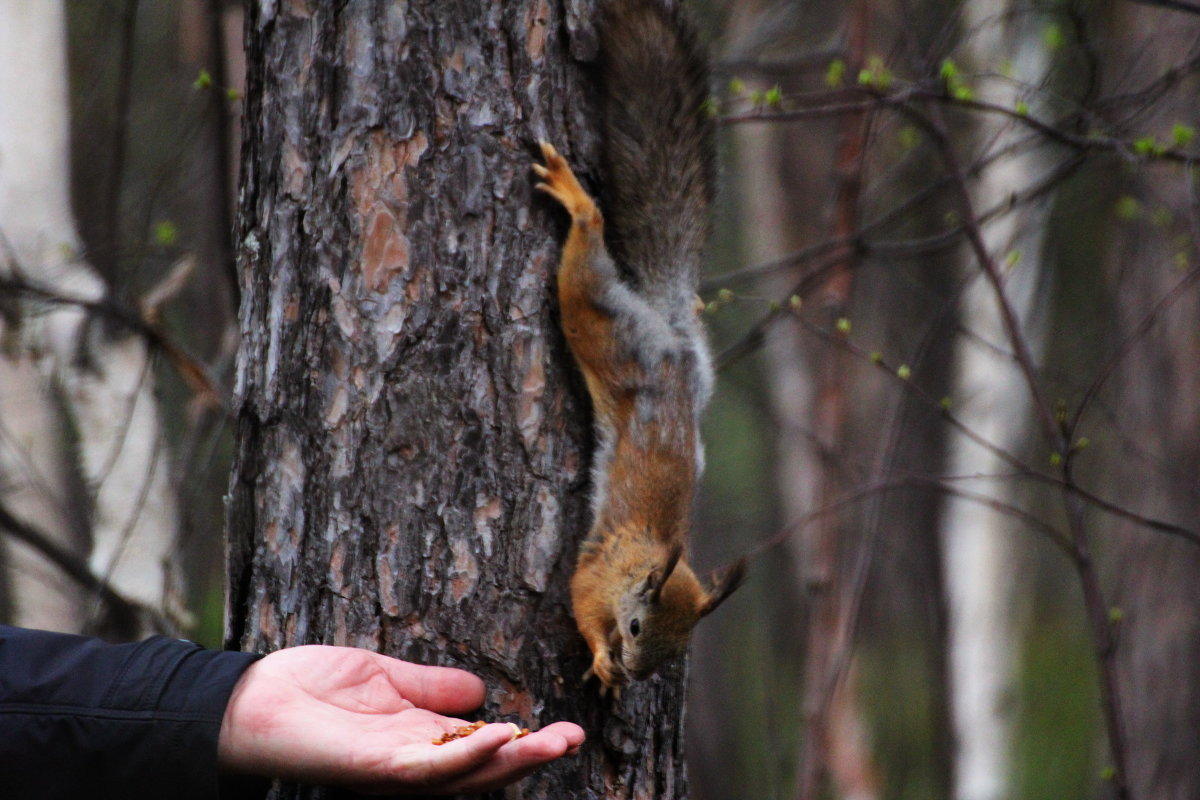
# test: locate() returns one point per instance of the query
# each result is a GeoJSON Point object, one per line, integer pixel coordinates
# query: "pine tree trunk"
{"type": "Point", "coordinates": [412, 446]}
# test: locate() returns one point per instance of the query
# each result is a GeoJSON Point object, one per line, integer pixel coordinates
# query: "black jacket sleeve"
{"type": "Point", "coordinates": [83, 718]}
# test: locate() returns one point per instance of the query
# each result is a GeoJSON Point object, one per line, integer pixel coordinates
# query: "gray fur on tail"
{"type": "Point", "coordinates": [659, 147]}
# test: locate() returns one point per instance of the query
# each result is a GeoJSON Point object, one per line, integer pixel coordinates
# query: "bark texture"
{"type": "Point", "coordinates": [411, 465]}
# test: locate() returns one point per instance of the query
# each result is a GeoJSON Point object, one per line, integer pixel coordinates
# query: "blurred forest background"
{"type": "Point", "coordinates": [953, 297]}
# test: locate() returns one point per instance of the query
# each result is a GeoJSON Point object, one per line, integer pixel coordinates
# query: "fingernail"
{"type": "Point", "coordinates": [516, 731]}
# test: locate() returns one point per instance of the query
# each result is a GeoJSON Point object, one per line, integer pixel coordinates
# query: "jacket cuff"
{"type": "Point", "coordinates": [189, 711]}
{"type": "Point", "coordinates": [79, 716]}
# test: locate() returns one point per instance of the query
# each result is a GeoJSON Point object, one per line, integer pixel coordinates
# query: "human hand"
{"type": "Point", "coordinates": [340, 715]}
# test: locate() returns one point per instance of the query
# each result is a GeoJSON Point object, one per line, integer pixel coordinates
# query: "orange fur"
{"type": "Point", "coordinates": [635, 598]}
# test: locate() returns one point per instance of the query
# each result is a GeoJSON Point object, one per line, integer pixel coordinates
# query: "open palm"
{"type": "Point", "coordinates": [339, 715]}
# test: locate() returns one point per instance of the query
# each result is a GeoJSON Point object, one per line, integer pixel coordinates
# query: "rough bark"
{"type": "Point", "coordinates": [411, 465]}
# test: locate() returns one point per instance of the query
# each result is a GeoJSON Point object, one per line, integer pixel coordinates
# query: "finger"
{"type": "Point", "coordinates": [571, 733]}
{"type": "Point", "coordinates": [518, 759]}
{"type": "Point", "coordinates": [444, 763]}
{"type": "Point", "coordinates": [441, 689]}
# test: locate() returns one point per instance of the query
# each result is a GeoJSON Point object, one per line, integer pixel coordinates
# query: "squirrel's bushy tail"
{"type": "Point", "coordinates": [659, 145]}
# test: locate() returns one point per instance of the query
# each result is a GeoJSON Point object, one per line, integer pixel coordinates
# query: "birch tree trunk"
{"type": "Point", "coordinates": [411, 465]}
{"type": "Point", "coordinates": [992, 400]}
{"type": "Point", "coordinates": [57, 361]}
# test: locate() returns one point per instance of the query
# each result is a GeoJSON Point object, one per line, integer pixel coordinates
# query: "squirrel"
{"type": "Point", "coordinates": [630, 317]}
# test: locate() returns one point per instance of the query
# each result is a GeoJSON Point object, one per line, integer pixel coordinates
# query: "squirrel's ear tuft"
{"type": "Point", "coordinates": [723, 586]}
{"type": "Point", "coordinates": [658, 577]}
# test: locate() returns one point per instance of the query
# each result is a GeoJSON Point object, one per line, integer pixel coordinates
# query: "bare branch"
{"type": "Point", "coordinates": [1024, 359]}
{"type": "Point", "coordinates": [937, 484]}
{"type": "Point", "coordinates": [73, 567]}
{"type": "Point", "coordinates": [1174, 5]}
{"type": "Point", "coordinates": [1144, 326]}
{"type": "Point", "coordinates": [193, 373]}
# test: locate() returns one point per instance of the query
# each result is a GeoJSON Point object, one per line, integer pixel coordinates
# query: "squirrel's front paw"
{"type": "Point", "coordinates": [610, 674]}
{"type": "Point", "coordinates": [604, 669]}
{"type": "Point", "coordinates": [560, 183]}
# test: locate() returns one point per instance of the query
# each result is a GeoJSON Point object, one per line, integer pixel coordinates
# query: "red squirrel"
{"type": "Point", "coordinates": [630, 318]}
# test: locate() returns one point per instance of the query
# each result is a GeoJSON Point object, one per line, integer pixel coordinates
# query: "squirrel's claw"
{"type": "Point", "coordinates": [549, 154]}
{"type": "Point", "coordinates": [560, 182]}
{"type": "Point", "coordinates": [615, 691]}
{"type": "Point", "coordinates": [610, 675]}
{"type": "Point", "coordinates": [605, 688]}
{"type": "Point", "coordinates": [554, 163]}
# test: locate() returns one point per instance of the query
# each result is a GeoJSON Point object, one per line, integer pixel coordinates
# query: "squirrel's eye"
{"type": "Point", "coordinates": [635, 627]}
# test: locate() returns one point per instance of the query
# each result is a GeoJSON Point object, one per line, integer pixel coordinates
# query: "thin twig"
{"type": "Point", "coordinates": [1104, 642]}
{"type": "Point", "coordinates": [1174, 5]}
{"type": "Point", "coordinates": [191, 370]}
{"type": "Point", "coordinates": [1144, 326]}
{"type": "Point", "coordinates": [1097, 612]}
{"type": "Point", "coordinates": [71, 565]}
{"type": "Point", "coordinates": [872, 489]}
{"type": "Point", "coordinates": [935, 126]}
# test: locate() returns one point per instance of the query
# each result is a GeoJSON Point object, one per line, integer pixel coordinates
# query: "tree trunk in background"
{"type": "Point", "coordinates": [59, 361]}
{"type": "Point", "coordinates": [36, 225]}
{"type": "Point", "coordinates": [411, 469]}
{"type": "Point", "coordinates": [807, 383]}
{"type": "Point", "coordinates": [992, 399]}
{"type": "Point", "coordinates": [38, 594]}
{"type": "Point", "coordinates": [1155, 457]}
{"type": "Point", "coordinates": [835, 740]}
